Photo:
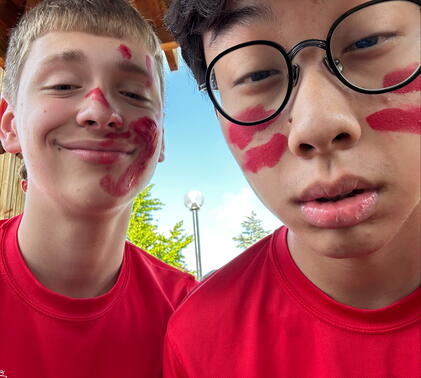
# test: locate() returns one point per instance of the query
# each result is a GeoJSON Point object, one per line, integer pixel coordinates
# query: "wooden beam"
{"type": "Point", "coordinates": [172, 59]}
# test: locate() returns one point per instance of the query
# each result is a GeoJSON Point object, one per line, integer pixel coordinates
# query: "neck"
{"type": "Point", "coordinates": [73, 254]}
{"type": "Point", "coordinates": [368, 281]}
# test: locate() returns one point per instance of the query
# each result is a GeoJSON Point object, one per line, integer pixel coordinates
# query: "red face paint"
{"type": "Point", "coordinates": [146, 138]}
{"type": "Point", "coordinates": [399, 76]}
{"type": "Point", "coordinates": [125, 52]}
{"type": "Point", "coordinates": [266, 155]}
{"type": "Point", "coordinates": [241, 136]}
{"type": "Point", "coordinates": [125, 135]}
{"type": "Point", "coordinates": [395, 119]}
{"type": "Point", "coordinates": [150, 69]}
{"type": "Point", "coordinates": [97, 95]}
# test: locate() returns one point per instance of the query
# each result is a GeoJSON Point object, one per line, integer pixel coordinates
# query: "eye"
{"type": "Point", "coordinates": [134, 96]}
{"type": "Point", "coordinates": [367, 42]}
{"type": "Point", "coordinates": [64, 87]}
{"type": "Point", "coordinates": [256, 76]}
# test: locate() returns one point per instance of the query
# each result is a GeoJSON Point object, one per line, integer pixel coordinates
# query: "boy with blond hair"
{"type": "Point", "coordinates": [82, 102]}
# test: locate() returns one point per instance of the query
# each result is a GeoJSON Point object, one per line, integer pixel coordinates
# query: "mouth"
{"type": "Point", "coordinates": [105, 152]}
{"type": "Point", "coordinates": [344, 203]}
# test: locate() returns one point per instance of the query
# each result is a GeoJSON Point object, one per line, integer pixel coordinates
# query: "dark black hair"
{"type": "Point", "coordinates": [187, 20]}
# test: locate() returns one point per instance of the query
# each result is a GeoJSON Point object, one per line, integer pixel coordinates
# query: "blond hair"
{"type": "Point", "coordinates": [110, 18]}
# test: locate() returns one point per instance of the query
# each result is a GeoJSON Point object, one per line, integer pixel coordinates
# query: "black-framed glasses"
{"type": "Point", "coordinates": [372, 48]}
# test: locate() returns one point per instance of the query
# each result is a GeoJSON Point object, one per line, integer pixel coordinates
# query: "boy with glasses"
{"type": "Point", "coordinates": [82, 102]}
{"type": "Point", "coordinates": [319, 102]}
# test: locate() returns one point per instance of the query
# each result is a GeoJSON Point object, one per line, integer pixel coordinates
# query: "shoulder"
{"type": "Point", "coordinates": [225, 291]}
{"type": "Point", "coordinates": [173, 283]}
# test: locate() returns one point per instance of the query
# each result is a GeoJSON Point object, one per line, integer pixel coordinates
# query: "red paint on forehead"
{"type": "Point", "coordinates": [241, 136]}
{"type": "Point", "coordinates": [125, 52]}
{"type": "Point", "coordinates": [398, 76]}
{"type": "Point", "coordinates": [266, 155]}
{"type": "Point", "coordinates": [97, 95]}
{"type": "Point", "coordinates": [146, 139]}
{"type": "Point", "coordinates": [395, 119]}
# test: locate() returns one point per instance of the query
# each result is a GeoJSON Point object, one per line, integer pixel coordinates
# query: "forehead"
{"type": "Point", "coordinates": [284, 21]}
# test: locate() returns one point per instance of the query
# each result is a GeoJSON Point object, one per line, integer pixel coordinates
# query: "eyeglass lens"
{"type": "Point", "coordinates": [373, 48]}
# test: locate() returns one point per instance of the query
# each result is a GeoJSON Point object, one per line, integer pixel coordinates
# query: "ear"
{"type": "Point", "coordinates": [8, 135]}
{"type": "Point", "coordinates": [24, 185]}
{"type": "Point", "coordinates": [162, 151]}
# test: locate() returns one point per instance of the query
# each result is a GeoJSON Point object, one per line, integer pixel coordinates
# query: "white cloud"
{"type": "Point", "coordinates": [221, 223]}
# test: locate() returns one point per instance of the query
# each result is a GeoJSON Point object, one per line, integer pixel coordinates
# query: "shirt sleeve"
{"type": "Point", "coordinates": [173, 367]}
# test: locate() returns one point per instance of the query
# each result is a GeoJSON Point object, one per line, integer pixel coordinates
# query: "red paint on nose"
{"type": "Point", "coordinates": [241, 136]}
{"type": "Point", "coordinates": [266, 155]}
{"type": "Point", "coordinates": [395, 119]}
{"type": "Point", "coordinates": [98, 95]}
{"type": "Point", "coordinates": [398, 76]}
{"type": "Point", "coordinates": [125, 52]}
{"type": "Point", "coordinates": [146, 139]}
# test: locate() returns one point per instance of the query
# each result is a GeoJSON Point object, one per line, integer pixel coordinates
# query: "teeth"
{"type": "Point", "coordinates": [340, 197]}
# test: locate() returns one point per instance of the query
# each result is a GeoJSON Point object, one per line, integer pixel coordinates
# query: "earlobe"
{"type": "Point", "coordinates": [8, 135]}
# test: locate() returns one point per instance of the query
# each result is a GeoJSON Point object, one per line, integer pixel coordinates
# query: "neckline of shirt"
{"type": "Point", "coordinates": [46, 301]}
{"type": "Point", "coordinates": [398, 315]}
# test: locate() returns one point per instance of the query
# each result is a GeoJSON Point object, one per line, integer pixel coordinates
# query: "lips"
{"type": "Point", "coordinates": [343, 203]}
{"type": "Point", "coordinates": [99, 151]}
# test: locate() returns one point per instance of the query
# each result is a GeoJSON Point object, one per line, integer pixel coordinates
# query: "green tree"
{"type": "Point", "coordinates": [143, 232]}
{"type": "Point", "coordinates": [252, 232]}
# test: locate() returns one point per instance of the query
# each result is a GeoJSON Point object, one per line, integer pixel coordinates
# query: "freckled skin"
{"type": "Point", "coordinates": [125, 52]}
{"type": "Point", "coordinates": [266, 155]}
{"type": "Point", "coordinates": [98, 95]}
{"type": "Point", "coordinates": [400, 75]}
{"type": "Point", "coordinates": [146, 132]}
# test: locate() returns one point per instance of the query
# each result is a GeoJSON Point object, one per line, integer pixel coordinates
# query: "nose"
{"type": "Point", "coordinates": [320, 116]}
{"type": "Point", "coordinates": [98, 114]}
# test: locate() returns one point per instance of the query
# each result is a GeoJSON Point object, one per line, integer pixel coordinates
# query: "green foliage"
{"type": "Point", "coordinates": [143, 232]}
{"type": "Point", "coordinates": [252, 232]}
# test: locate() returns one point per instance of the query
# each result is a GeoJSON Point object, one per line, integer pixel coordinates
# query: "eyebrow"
{"type": "Point", "coordinates": [129, 67]}
{"type": "Point", "coordinates": [71, 56]}
{"type": "Point", "coordinates": [232, 17]}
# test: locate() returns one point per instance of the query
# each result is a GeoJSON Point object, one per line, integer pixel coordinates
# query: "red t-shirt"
{"type": "Point", "coordinates": [119, 334]}
{"type": "Point", "coordinates": [259, 317]}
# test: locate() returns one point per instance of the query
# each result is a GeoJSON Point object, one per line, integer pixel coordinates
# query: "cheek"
{"type": "Point", "coordinates": [146, 136]}
{"type": "Point", "coordinates": [405, 119]}
{"type": "Point", "coordinates": [266, 155]}
{"type": "Point", "coordinates": [241, 136]}
{"type": "Point", "coordinates": [395, 119]}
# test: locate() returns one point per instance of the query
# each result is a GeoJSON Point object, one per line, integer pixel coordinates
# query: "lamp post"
{"type": "Point", "coordinates": [194, 201]}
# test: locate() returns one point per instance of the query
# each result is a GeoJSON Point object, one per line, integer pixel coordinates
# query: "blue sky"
{"type": "Point", "coordinates": [197, 157]}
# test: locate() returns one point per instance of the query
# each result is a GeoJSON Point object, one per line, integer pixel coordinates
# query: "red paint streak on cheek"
{"type": "Point", "coordinates": [125, 52]}
{"type": "Point", "coordinates": [241, 136]}
{"type": "Point", "coordinates": [97, 95]}
{"type": "Point", "coordinates": [266, 155]}
{"type": "Point", "coordinates": [395, 119]}
{"type": "Point", "coordinates": [400, 75]}
{"type": "Point", "coordinates": [146, 138]}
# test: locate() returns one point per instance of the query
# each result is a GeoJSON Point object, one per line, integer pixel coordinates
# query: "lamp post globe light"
{"type": "Point", "coordinates": [194, 200]}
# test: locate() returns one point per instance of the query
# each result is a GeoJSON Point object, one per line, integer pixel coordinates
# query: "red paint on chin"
{"type": "Point", "coordinates": [146, 138]}
{"type": "Point", "coordinates": [399, 76]}
{"type": "Point", "coordinates": [266, 155]}
{"type": "Point", "coordinates": [241, 136]}
{"type": "Point", "coordinates": [395, 119]}
{"type": "Point", "coordinates": [98, 95]}
{"type": "Point", "coordinates": [125, 52]}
